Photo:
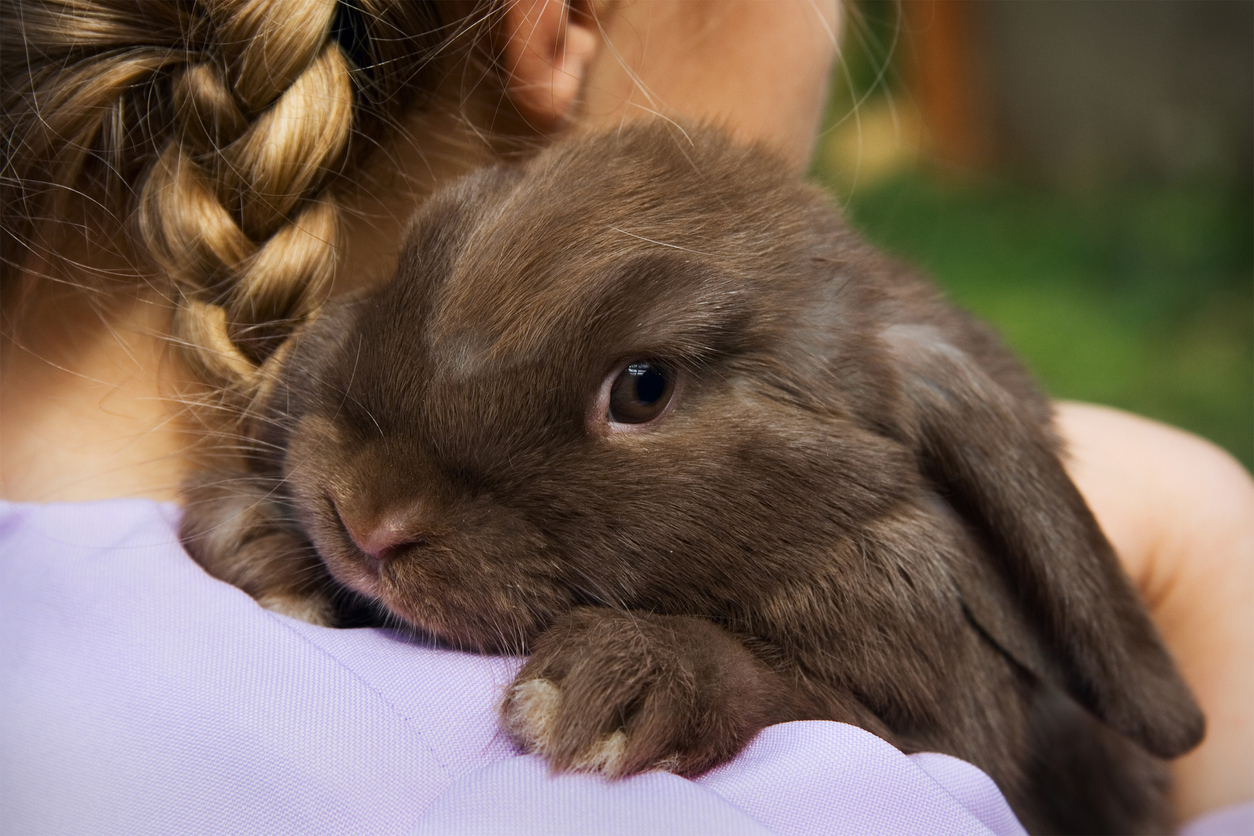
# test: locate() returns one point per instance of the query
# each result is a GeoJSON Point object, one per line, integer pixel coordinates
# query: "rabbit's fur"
{"type": "Point", "coordinates": [853, 508]}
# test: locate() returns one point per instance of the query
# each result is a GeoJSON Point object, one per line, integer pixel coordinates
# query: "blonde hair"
{"type": "Point", "coordinates": [216, 129]}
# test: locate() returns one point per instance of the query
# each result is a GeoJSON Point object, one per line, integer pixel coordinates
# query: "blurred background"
{"type": "Point", "coordinates": [1078, 172]}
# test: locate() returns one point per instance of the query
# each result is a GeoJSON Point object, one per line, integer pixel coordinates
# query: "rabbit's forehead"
{"type": "Point", "coordinates": [582, 294]}
{"type": "Point", "coordinates": [594, 250]}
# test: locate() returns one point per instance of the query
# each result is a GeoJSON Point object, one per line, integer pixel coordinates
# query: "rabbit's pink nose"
{"type": "Point", "coordinates": [383, 542]}
{"type": "Point", "coordinates": [384, 536]}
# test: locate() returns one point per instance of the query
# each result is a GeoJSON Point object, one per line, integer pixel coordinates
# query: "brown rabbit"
{"type": "Point", "coordinates": [647, 410]}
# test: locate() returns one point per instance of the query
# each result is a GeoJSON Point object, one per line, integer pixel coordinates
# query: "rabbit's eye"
{"type": "Point", "coordinates": [641, 392]}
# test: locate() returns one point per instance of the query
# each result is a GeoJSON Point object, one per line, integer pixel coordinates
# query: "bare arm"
{"type": "Point", "coordinates": [1180, 513]}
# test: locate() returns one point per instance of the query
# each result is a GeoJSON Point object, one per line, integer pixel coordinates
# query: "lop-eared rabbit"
{"type": "Point", "coordinates": [647, 410]}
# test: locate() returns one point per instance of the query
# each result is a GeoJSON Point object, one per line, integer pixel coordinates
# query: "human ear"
{"type": "Point", "coordinates": [546, 48]}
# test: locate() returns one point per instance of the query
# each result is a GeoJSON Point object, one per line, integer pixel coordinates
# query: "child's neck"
{"type": "Point", "coordinates": [85, 412]}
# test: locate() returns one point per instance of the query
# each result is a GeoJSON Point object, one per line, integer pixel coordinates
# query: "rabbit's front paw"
{"type": "Point", "coordinates": [620, 692]}
{"type": "Point", "coordinates": [308, 606]}
{"type": "Point", "coordinates": [532, 712]}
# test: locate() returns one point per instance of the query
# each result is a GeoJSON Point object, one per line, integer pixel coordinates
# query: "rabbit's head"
{"type": "Point", "coordinates": [637, 378]}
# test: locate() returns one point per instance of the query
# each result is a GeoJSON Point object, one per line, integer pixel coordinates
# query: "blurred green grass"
{"type": "Point", "coordinates": [1140, 298]}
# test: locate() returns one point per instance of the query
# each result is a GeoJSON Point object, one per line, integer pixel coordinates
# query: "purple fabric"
{"type": "Point", "coordinates": [1232, 821]}
{"type": "Point", "coordinates": [138, 695]}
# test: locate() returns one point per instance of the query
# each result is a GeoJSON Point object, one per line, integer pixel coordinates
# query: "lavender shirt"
{"type": "Point", "coordinates": [138, 695]}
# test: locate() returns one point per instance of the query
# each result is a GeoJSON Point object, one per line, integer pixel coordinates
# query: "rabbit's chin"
{"type": "Point", "coordinates": [464, 613]}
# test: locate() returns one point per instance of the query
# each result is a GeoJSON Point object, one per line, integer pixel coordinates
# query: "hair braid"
{"type": "Point", "coordinates": [235, 209]}
{"type": "Point", "coordinates": [222, 123]}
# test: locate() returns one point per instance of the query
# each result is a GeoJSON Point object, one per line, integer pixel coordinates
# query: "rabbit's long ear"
{"type": "Point", "coordinates": [997, 465]}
